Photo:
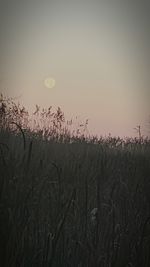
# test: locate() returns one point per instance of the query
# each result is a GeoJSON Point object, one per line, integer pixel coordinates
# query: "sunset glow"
{"type": "Point", "coordinates": [98, 50]}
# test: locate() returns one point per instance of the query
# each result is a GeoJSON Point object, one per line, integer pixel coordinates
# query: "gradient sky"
{"type": "Point", "coordinates": [97, 51]}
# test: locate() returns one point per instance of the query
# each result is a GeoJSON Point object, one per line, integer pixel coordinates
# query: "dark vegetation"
{"type": "Point", "coordinates": [68, 199]}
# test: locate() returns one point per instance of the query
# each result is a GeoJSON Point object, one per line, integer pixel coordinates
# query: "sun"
{"type": "Point", "coordinates": [49, 82]}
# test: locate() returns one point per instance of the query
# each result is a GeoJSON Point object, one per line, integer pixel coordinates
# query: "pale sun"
{"type": "Point", "coordinates": [49, 82]}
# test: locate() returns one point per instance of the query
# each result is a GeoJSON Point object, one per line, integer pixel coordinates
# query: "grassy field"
{"type": "Point", "coordinates": [69, 200]}
{"type": "Point", "coordinates": [48, 191]}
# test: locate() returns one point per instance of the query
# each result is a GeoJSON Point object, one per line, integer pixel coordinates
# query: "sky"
{"type": "Point", "coordinates": [97, 52]}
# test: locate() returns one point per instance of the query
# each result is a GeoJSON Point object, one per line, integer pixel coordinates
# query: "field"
{"type": "Point", "coordinates": [74, 204]}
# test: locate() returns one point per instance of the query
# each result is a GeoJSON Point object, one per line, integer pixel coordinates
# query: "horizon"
{"type": "Point", "coordinates": [31, 120]}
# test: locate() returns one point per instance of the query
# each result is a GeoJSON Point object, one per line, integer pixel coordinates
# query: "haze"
{"type": "Point", "coordinates": [97, 52]}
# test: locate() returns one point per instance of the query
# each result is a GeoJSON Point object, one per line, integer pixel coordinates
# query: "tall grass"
{"type": "Point", "coordinates": [48, 189]}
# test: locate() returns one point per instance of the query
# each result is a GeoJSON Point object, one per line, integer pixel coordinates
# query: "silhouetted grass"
{"type": "Point", "coordinates": [48, 189]}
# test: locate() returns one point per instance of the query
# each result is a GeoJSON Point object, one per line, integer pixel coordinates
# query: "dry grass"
{"type": "Point", "coordinates": [49, 188]}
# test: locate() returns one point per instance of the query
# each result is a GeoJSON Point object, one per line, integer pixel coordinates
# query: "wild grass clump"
{"type": "Point", "coordinates": [75, 201]}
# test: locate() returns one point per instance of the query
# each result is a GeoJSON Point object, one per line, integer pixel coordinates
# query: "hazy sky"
{"type": "Point", "coordinates": [97, 51]}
